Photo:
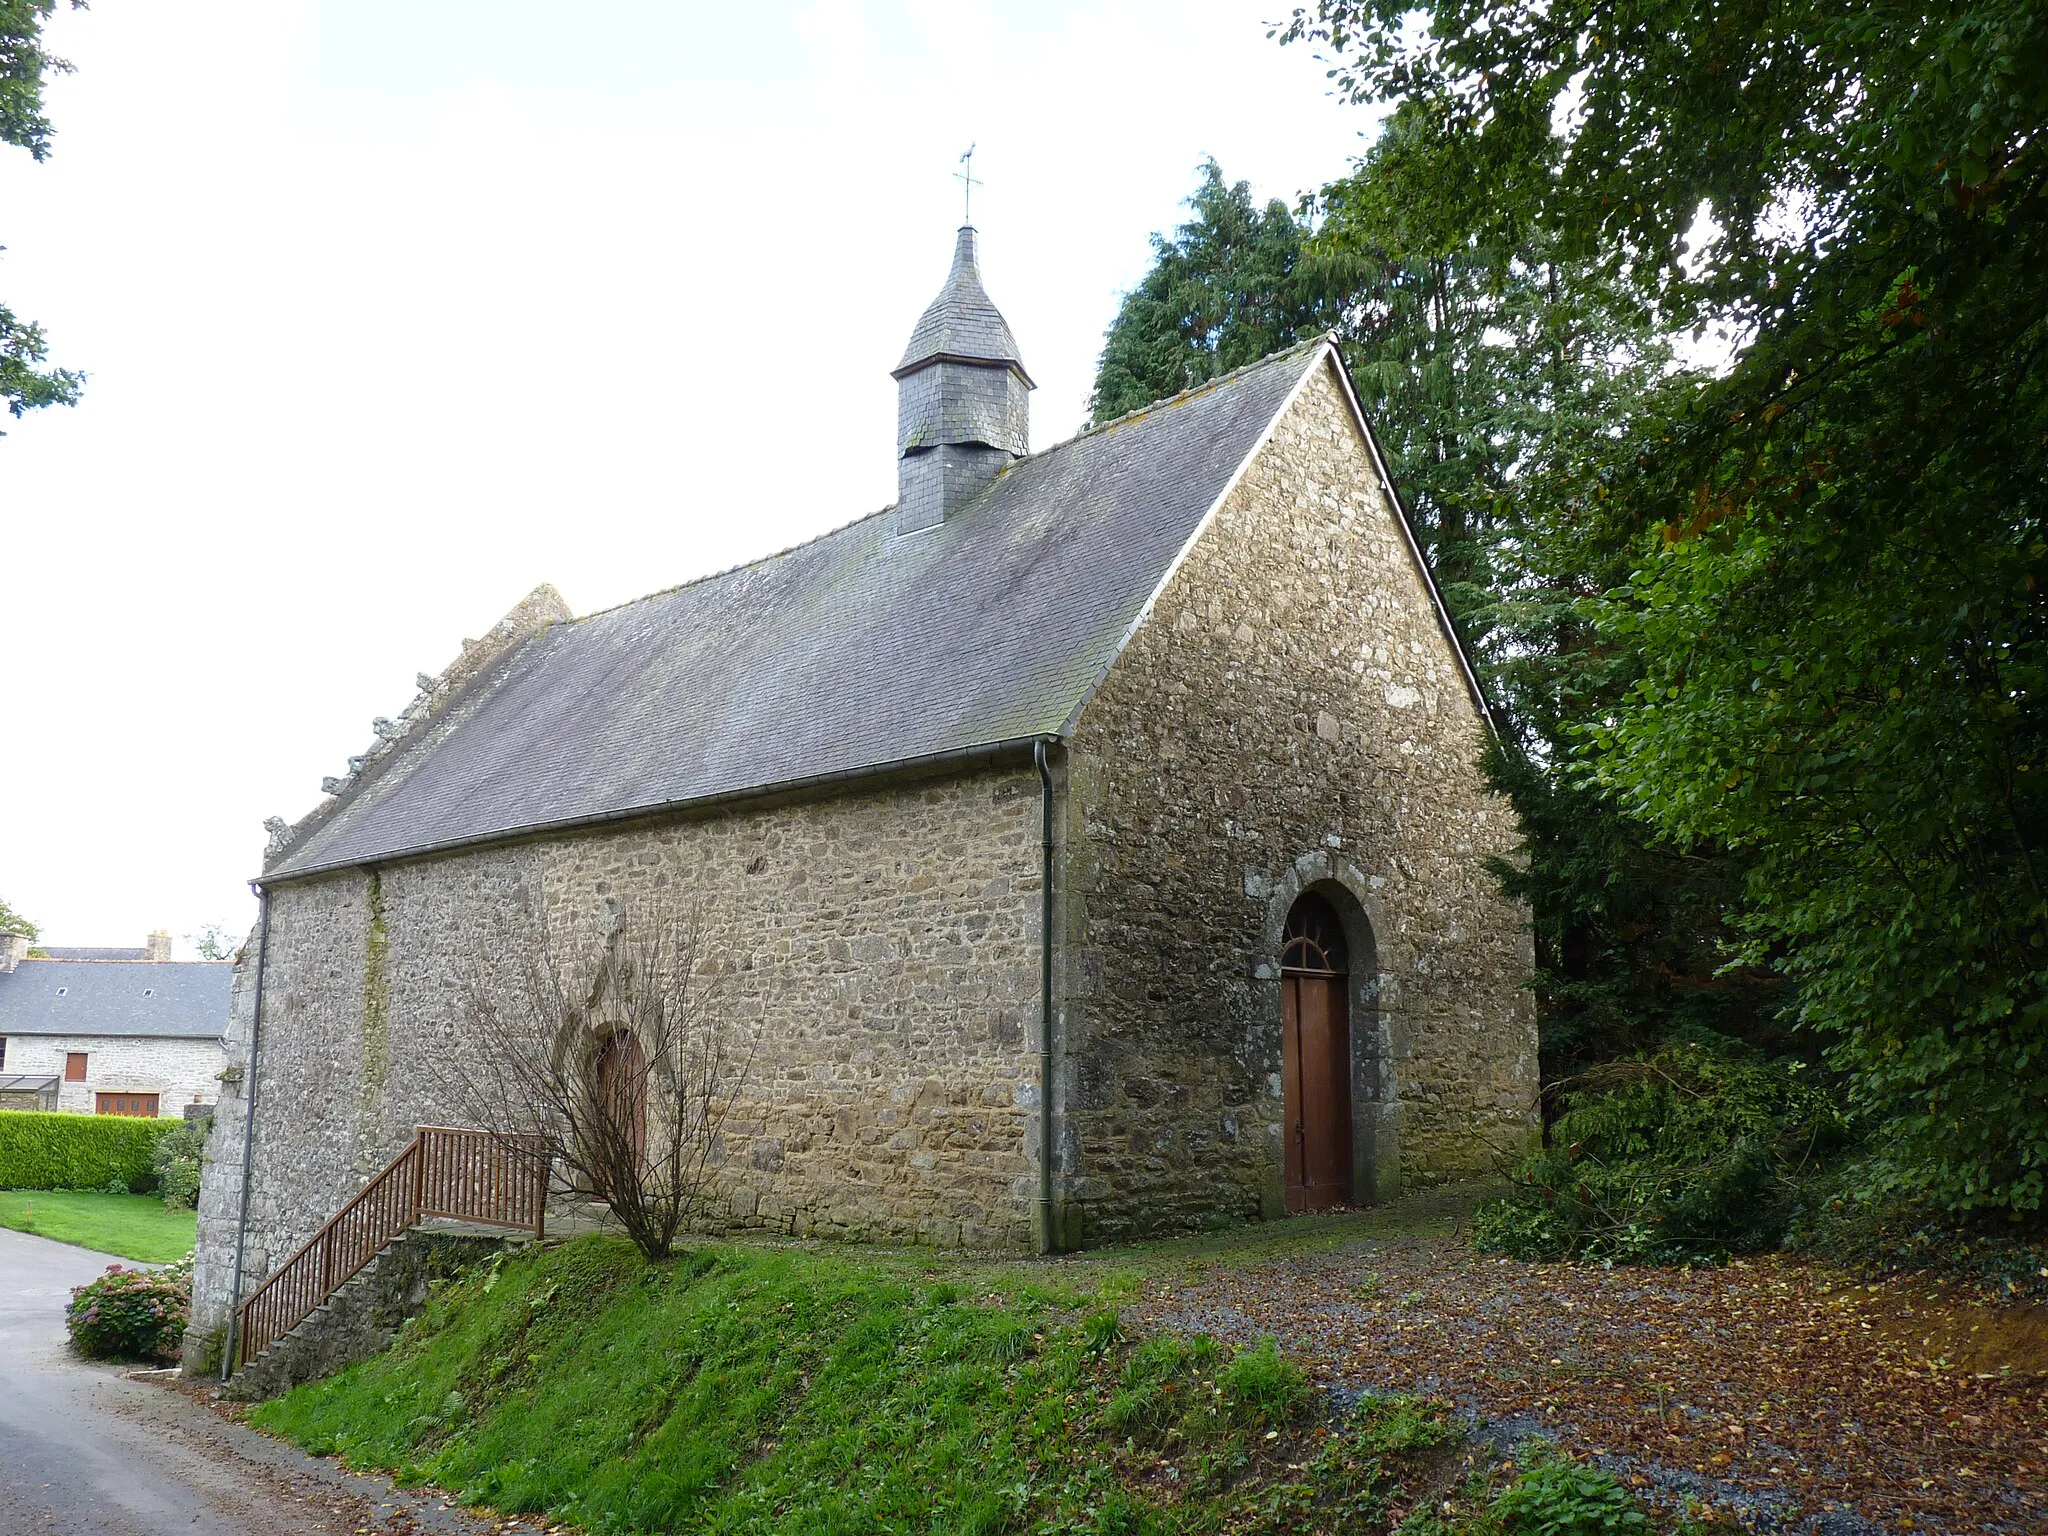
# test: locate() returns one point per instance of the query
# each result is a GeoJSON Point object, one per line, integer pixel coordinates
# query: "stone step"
{"type": "Point", "coordinates": [364, 1313]}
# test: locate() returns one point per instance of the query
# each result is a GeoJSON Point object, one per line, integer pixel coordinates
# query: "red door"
{"type": "Point", "coordinates": [1315, 1074]}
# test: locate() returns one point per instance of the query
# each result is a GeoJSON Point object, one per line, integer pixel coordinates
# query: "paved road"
{"type": "Point", "coordinates": [87, 1451]}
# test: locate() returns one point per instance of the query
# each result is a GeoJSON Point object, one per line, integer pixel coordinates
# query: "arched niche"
{"type": "Point", "coordinates": [1377, 1039]}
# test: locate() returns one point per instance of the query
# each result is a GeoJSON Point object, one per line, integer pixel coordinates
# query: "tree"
{"type": "Point", "coordinates": [1223, 292]}
{"type": "Point", "coordinates": [12, 921]}
{"type": "Point", "coordinates": [25, 383]}
{"type": "Point", "coordinates": [1495, 374]}
{"type": "Point", "coordinates": [610, 1052]}
{"type": "Point", "coordinates": [1835, 548]}
{"type": "Point", "coordinates": [214, 941]}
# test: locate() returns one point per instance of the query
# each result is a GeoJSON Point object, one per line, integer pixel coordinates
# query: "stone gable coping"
{"type": "Point", "coordinates": [539, 609]}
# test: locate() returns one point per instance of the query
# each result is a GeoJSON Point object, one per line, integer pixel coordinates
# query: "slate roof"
{"type": "Point", "coordinates": [860, 650]}
{"type": "Point", "coordinates": [169, 1000]}
{"type": "Point", "coordinates": [76, 952]}
{"type": "Point", "coordinates": [963, 320]}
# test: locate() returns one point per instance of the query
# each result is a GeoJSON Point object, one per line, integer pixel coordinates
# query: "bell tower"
{"type": "Point", "coordinates": [963, 409]}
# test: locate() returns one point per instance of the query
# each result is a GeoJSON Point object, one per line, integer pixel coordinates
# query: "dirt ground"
{"type": "Point", "coordinates": [1786, 1395]}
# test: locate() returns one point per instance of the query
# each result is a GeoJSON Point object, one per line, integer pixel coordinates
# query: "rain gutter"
{"type": "Point", "coordinates": [1047, 1242]}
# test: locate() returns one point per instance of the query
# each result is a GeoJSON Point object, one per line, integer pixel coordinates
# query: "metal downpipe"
{"type": "Point", "coordinates": [1047, 1241]}
{"type": "Point", "coordinates": [227, 1358]}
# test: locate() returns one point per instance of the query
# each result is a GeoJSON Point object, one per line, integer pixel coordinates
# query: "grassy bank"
{"type": "Point", "coordinates": [747, 1389]}
{"type": "Point", "coordinates": [128, 1226]}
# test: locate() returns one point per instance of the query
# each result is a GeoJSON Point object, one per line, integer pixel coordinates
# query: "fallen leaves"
{"type": "Point", "coordinates": [1769, 1388]}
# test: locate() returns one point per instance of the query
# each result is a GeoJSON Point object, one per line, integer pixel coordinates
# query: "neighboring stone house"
{"type": "Point", "coordinates": [1189, 663]}
{"type": "Point", "coordinates": [110, 1031]}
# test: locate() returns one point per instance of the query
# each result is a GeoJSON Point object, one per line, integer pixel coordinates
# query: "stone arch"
{"type": "Point", "coordinates": [599, 1049]}
{"type": "Point", "coordinates": [1377, 1035]}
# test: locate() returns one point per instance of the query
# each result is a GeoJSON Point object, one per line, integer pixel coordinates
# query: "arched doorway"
{"type": "Point", "coordinates": [1315, 1057]}
{"type": "Point", "coordinates": [618, 1110]}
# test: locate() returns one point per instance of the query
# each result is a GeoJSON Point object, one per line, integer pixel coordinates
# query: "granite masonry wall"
{"type": "Point", "coordinates": [1291, 717]}
{"type": "Point", "coordinates": [880, 955]}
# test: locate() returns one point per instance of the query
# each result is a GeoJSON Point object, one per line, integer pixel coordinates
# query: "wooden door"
{"type": "Point", "coordinates": [142, 1104]}
{"type": "Point", "coordinates": [621, 1073]}
{"type": "Point", "coordinates": [1315, 1074]}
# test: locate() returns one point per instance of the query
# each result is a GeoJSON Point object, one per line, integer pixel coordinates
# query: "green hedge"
{"type": "Point", "coordinates": [39, 1151]}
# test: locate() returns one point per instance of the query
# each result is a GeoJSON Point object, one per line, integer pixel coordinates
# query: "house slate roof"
{"type": "Point", "coordinates": [88, 952]}
{"type": "Point", "coordinates": [963, 321]}
{"type": "Point", "coordinates": [858, 651]}
{"type": "Point", "coordinates": [167, 1000]}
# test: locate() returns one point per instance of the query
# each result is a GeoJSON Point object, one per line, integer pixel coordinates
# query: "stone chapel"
{"type": "Point", "coordinates": [1104, 825]}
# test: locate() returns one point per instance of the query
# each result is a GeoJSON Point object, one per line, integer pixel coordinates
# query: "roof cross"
{"type": "Point", "coordinates": [968, 182]}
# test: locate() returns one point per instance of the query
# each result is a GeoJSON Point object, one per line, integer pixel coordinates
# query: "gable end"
{"type": "Point", "coordinates": [1327, 355]}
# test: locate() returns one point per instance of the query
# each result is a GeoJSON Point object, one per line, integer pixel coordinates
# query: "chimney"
{"type": "Point", "coordinates": [158, 945]}
{"type": "Point", "coordinates": [13, 950]}
{"type": "Point", "coordinates": [963, 411]}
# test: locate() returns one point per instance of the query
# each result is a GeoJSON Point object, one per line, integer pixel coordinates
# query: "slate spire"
{"type": "Point", "coordinates": [963, 409]}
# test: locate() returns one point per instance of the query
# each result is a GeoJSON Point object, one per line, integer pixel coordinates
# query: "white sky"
{"type": "Point", "coordinates": [395, 308]}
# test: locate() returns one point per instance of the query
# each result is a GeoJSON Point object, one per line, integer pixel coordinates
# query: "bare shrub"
{"type": "Point", "coordinates": [610, 1048]}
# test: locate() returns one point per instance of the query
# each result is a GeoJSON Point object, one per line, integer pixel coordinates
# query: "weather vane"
{"type": "Point", "coordinates": [968, 182]}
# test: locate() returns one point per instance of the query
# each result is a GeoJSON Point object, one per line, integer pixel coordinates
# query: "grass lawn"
{"type": "Point", "coordinates": [131, 1226]}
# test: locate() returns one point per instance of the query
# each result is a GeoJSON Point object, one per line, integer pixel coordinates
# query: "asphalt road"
{"type": "Point", "coordinates": [88, 1451]}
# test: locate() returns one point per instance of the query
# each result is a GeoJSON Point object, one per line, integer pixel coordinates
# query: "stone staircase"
{"type": "Point", "coordinates": [447, 1182]}
{"type": "Point", "coordinates": [365, 1312]}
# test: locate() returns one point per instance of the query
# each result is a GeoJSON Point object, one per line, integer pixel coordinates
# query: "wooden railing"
{"type": "Point", "coordinates": [464, 1175]}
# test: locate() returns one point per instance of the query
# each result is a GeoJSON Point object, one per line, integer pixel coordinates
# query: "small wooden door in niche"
{"type": "Point", "coordinates": [1315, 1057]}
{"type": "Point", "coordinates": [620, 1073]}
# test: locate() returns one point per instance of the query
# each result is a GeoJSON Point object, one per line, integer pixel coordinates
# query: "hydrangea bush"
{"type": "Point", "coordinates": [132, 1314]}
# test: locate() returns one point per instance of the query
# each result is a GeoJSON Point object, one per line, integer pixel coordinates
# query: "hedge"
{"type": "Point", "coordinates": [46, 1151]}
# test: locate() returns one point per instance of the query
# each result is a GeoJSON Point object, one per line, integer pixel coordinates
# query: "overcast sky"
{"type": "Point", "coordinates": [396, 308]}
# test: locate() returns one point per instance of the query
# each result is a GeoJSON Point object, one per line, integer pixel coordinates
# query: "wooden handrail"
{"type": "Point", "coordinates": [447, 1171]}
